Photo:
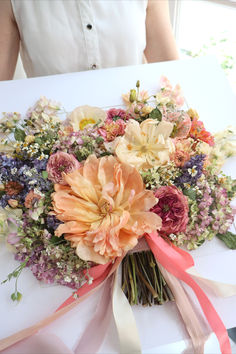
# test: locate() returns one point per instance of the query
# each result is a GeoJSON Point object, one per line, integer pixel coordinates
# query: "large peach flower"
{"type": "Point", "coordinates": [105, 209]}
{"type": "Point", "coordinates": [145, 145]}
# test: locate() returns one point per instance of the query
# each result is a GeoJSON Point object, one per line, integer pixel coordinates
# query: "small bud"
{"type": "Point", "coordinates": [138, 84]}
{"type": "Point", "coordinates": [132, 96]}
{"type": "Point", "coordinates": [193, 114]}
{"type": "Point", "coordinates": [136, 110]}
{"type": "Point", "coordinates": [146, 110]}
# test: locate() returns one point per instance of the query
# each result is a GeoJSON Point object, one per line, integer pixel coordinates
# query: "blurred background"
{"type": "Point", "coordinates": [201, 27]}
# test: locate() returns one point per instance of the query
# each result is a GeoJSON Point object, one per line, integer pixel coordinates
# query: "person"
{"type": "Point", "coordinates": [63, 36]}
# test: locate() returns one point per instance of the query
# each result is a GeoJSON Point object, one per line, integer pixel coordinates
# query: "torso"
{"type": "Point", "coordinates": [62, 36]}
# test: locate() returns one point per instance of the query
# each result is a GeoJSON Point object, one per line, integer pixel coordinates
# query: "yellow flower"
{"type": "Point", "coordinates": [145, 145]}
{"type": "Point", "coordinates": [105, 209]}
{"type": "Point", "coordinates": [83, 116]}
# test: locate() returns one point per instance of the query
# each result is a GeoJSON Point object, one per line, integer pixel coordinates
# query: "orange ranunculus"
{"type": "Point", "coordinates": [105, 209]}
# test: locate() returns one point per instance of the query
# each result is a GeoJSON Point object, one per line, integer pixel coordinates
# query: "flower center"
{"type": "Point", "coordinates": [85, 122]}
{"type": "Point", "coordinates": [106, 208]}
{"type": "Point", "coordinates": [165, 208]}
{"type": "Point", "coordinates": [143, 149]}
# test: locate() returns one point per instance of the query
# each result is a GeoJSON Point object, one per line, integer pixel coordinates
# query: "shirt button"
{"type": "Point", "coordinates": [94, 66]}
{"type": "Point", "coordinates": [89, 26]}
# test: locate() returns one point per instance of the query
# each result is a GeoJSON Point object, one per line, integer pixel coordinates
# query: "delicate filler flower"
{"type": "Point", "coordinates": [83, 116]}
{"type": "Point", "coordinates": [59, 164]}
{"type": "Point", "coordinates": [172, 207]}
{"type": "Point", "coordinates": [105, 209]}
{"type": "Point", "coordinates": [145, 145]}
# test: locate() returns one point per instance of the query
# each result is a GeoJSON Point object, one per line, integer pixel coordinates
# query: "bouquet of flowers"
{"type": "Point", "coordinates": [84, 191]}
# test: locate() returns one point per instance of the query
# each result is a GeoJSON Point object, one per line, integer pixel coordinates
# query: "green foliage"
{"type": "Point", "coordinates": [218, 46]}
{"type": "Point", "coordinates": [45, 174]}
{"type": "Point", "coordinates": [16, 296]}
{"type": "Point", "coordinates": [191, 193]}
{"type": "Point", "coordinates": [19, 134]}
{"type": "Point", "coordinates": [229, 239]}
{"type": "Point", "coordinates": [155, 114]}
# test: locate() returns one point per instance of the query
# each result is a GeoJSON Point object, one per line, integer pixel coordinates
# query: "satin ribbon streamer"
{"type": "Point", "coordinates": [174, 260]}
{"type": "Point", "coordinates": [177, 261]}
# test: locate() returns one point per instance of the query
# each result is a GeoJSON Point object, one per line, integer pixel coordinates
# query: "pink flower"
{"type": "Point", "coordinates": [113, 114]}
{"type": "Point", "coordinates": [175, 94]}
{"type": "Point", "coordinates": [182, 123]}
{"type": "Point", "coordinates": [59, 164]}
{"type": "Point", "coordinates": [31, 198]}
{"type": "Point", "coordinates": [180, 157]}
{"type": "Point", "coordinates": [172, 207]}
{"type": "Point", "coordinates": [111, 129]}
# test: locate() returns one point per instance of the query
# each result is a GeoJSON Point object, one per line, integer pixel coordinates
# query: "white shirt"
{"type": "Point", "coordinates": [60, 36]}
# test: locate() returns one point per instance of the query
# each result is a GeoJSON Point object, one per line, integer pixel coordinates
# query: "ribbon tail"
{"type": "Point", "coordinates": [97, 327]}
{"type": "Point", "coordinates": [192, 324]}
{"type": "Point", "coordinates": [125, 321]}
{"type": "Point", "coordinates": [100, 274]}
{"type": "Point", "coordinates": [160, 249]}
{"type": "Point", "coordinates": [217, 288]}
{"type": "Point", "coordinates": [40, 343]}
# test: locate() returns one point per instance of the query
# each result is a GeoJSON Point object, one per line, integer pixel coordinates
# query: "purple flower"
{"type": "Point", "coordinates": [191, 171]}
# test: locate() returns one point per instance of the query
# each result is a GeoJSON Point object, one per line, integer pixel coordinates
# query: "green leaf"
{"type": "Point", "coordinates": [19, 134]}
{"type": "Point", "coordinates": [229, 239]}
{"type": "Point", "coordinates": [191, 193]}
{"type": "Point", "coordinates": [155, 114]}
{"type": "Point", "coordinates": [57, 240]}
{"type": "Point", "coordinates": [45, 174]}
{"type": "Point", "coordinates": [38, 141]}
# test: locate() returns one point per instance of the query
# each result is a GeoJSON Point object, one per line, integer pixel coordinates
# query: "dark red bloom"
{"type": "Point", "coordinates": [172, 207]}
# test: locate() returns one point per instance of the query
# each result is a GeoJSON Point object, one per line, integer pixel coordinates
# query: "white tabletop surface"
{"type": "Point", "coordinates": [161, 330]}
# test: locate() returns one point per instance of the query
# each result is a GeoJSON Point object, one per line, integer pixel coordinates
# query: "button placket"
{"type": "Point", "coordinates": [90, 34]}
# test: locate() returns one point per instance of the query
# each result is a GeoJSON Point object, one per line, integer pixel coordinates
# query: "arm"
{"type": "Point", "coordinates": [161, 44]}
{"type": "Point", "coordinates": [9, 41]}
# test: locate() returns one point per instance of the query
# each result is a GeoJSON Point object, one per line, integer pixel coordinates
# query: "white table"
{"type": "Point", "coordinates": [161, 330]}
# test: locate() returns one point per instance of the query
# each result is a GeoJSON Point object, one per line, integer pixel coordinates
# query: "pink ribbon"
{"type": "Point", "coordinates": [176, 261]}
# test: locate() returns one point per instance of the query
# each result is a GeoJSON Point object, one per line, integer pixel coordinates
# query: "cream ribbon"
{"type": "Point", "coordinates": [125, 321]}
{"type": "Point", "coordinates": [218, 288]}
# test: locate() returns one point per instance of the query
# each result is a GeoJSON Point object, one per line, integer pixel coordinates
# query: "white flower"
{"type": "Point", "coordinates": [83, 116]}
{"type": "Point", "coordinates": [145, 145]}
